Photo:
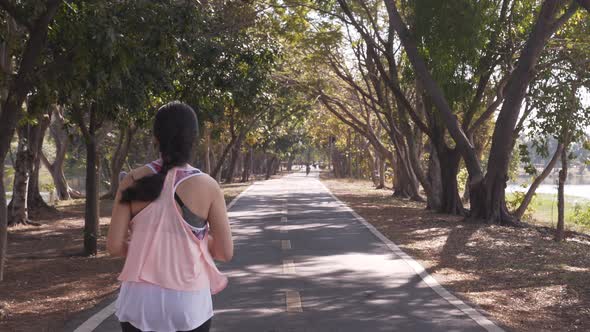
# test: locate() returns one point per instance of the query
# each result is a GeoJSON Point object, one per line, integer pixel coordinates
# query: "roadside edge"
{"type": "Point", "coordinates": [429, 280]}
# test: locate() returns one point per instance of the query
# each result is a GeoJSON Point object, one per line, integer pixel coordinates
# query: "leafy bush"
{"type": "Point", "coordinates": [514, 199]}
{"type": "Point", "coordinates": [48, 187]}
{"type": "Point", "coordinates": [581, 215]}
{"type": "Point", "coordinates": [462, 177]}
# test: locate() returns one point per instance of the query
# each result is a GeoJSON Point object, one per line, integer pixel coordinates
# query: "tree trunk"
{"type": "Point", "coordinates": [434, 201]}
{"type": "Point", "coordinates": [91, 211]}
{"type": "Point", "coordinates": [538, 180]}
{"type": "Point", "coordinates": [276, 166]}
{"type": "Point", "coordinates": [207, 134]}
{"type": "Point", "coordinates": [27, 176]}
{"type": "Point", "coordinates": [559, 232]}
{"type": "Point", "coordinates": [488, 197]}
{"type": "Point", "coordinates": [487, 193]}
{"type": "Point", "coordinates": [12, 104]}
{"type": "Point", "coordinates": [61, 140]}
{"type": "Point", "coordinates": [118, 160]}
{"type": "Point", "coordinates": [26, 198]}
{"type": "Point", "coordinates": [270, 167]}
{"type": "Point", "coordinates": [6, 61]}
{"type": "Point", "coordinates": [35, 201]}
{"type": "Point", "coordinates": [17, 209]}
{"type": "Point", "coordinates": [223, 155]}
{"type": "Point", "coordinates": [219, 163]}
{"type": "Point", "coordinates": [235, 155]}
{"type": "Point", "coordinates": [449, 167]}
{"type": "Point", "coordinates": [405, 183]}
{"type": "Point", "coordinates": [348, 154]}
{"type": "Point", "coordinates": [247, 165]}
{"type": "Point", "coordinates": [381, 162]}
{"type": "Point", "coordinates": [372, 166]}
{"type": "Point", "coordinates": [414, 152]}
{"type": "Point", "coordinates": [3, 225]}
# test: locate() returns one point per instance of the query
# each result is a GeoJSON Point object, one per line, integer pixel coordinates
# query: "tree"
{"type": "Point", "coordinates": [487, 190]}
{"type": "Point", "coordinates": [560, 113]}
{"type": "Point", "coordinates": [119, 155]}
{"type": "Point", "coordinates": [26, 197]}
{"type": "Point", "coordinates": [37, 27]}
{"type": "Point", "coordinates": [118, 69]}
{"type": "Point", "coordinates": [455, 52]}
{"type": "Point", "coordinates": [58, 131]}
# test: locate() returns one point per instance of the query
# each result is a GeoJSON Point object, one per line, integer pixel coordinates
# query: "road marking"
{"type": "Point", "coordinates": [94, 321]}
{"type": "Point", "coordinates": [293, 301]}
{"type": "Point", "coordinates": [285, 244]}
{"type": "Point", "coordinates": [283, 219]}
{"type": "Point", "coordinates": [288, 266]}
{"type": "Point", "coordinates": [475, 315]}
{"type": "Point", "coordinates": [283, 229]}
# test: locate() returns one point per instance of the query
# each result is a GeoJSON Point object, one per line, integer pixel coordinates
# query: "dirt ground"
{"type": "Point", "coordinates": [520, 276]}
{"type": "Point", "coordinates": [47, 281]}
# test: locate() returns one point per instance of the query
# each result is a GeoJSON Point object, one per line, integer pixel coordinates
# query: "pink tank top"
{"type": "Point", "coordinates": [164, 251]}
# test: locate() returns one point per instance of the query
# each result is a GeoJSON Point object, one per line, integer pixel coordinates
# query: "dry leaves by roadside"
{"type": "Point", "coordinates": [47, 281]}
{"type": "Point", "coordinates": [522, 278]}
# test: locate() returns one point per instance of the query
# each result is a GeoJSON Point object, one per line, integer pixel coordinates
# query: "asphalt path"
{"type": "Point", "coordinates": [305, 262]}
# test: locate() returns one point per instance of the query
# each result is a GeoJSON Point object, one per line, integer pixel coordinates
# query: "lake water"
{"type": "Point", "coordinates": [577, 190]}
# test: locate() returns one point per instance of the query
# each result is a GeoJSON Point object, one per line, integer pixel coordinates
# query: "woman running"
{"type": "Point", "coordinates": [169, 222]}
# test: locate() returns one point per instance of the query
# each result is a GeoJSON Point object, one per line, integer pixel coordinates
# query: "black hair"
{"type": "Point", "coordinates": [176, 129]}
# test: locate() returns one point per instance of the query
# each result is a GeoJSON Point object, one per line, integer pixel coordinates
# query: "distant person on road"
{"type": "Point", "coordinates": [169, 222]}
{"type": "Point", "coordinates": [307, 169]}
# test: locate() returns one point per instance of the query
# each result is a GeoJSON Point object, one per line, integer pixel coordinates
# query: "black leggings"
{"type": "Point", "coordinates": [127, 327]}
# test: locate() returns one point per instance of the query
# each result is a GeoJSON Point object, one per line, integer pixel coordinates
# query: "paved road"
{"type": "Point", "coordinates": [303, 262]}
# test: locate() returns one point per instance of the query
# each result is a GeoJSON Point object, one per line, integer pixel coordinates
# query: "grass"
{"type": "Point", "coordinates": [44, 178]}
{"type": "Point", "coordinates": [543, 210]}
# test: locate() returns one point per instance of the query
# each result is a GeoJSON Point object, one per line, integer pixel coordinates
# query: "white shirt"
{"type": "Point", "coordinates": [150, 307]}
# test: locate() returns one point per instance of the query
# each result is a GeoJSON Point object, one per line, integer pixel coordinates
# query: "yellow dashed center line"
{"type": "Point", "coordinates": [293, 301]}
{"type": "Point", "coordinates": [288, 266]}
{"type": "Point", "coordinates": [285, 244]}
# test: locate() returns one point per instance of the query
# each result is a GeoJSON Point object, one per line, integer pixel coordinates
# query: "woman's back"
{"type": "Point", "coordinates": [195, 189]}
{"type": "Point", "coordinates": [169, 222]}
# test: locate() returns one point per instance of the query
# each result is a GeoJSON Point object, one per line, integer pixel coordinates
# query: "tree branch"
{"type": "Point", "coordinates": [16, 14]}
{"type": "Point", "coordinates": [585, 4]}
{"type": "Point", "coordinates": [491, 108]}
{"type": "Point", "coordinates": [435, 92]}
{"type": "Point", "coordinates": [571, 10]}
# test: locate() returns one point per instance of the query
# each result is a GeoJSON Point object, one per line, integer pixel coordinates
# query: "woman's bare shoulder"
{"type": "Point", "coordinates": [203, 182]}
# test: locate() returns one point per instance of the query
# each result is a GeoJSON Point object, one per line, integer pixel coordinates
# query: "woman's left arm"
{"type": "Point", "coordinates": [119, 227]}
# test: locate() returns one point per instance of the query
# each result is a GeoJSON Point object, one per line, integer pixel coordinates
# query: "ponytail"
{"type": "Point", "coordinates": [175, 128]}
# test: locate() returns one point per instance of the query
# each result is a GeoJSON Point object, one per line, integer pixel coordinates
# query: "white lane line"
{"type": "Point", "coordinates": [94, 321]}
{"type": "Point", "coordinates": [283, 229]}
{"type": "Point", "coordinates": [286, 244]}
{"type": "Point", "coordinates": [237, 198]}
{"type": "Point", "coordinates": [480, 319]}
{"type": "Point", "coordinates": [288, 266]}
{"type": "Point", "coordinates": [293, 301]}
{"type": "Point", "coordinates": [99, 317]}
